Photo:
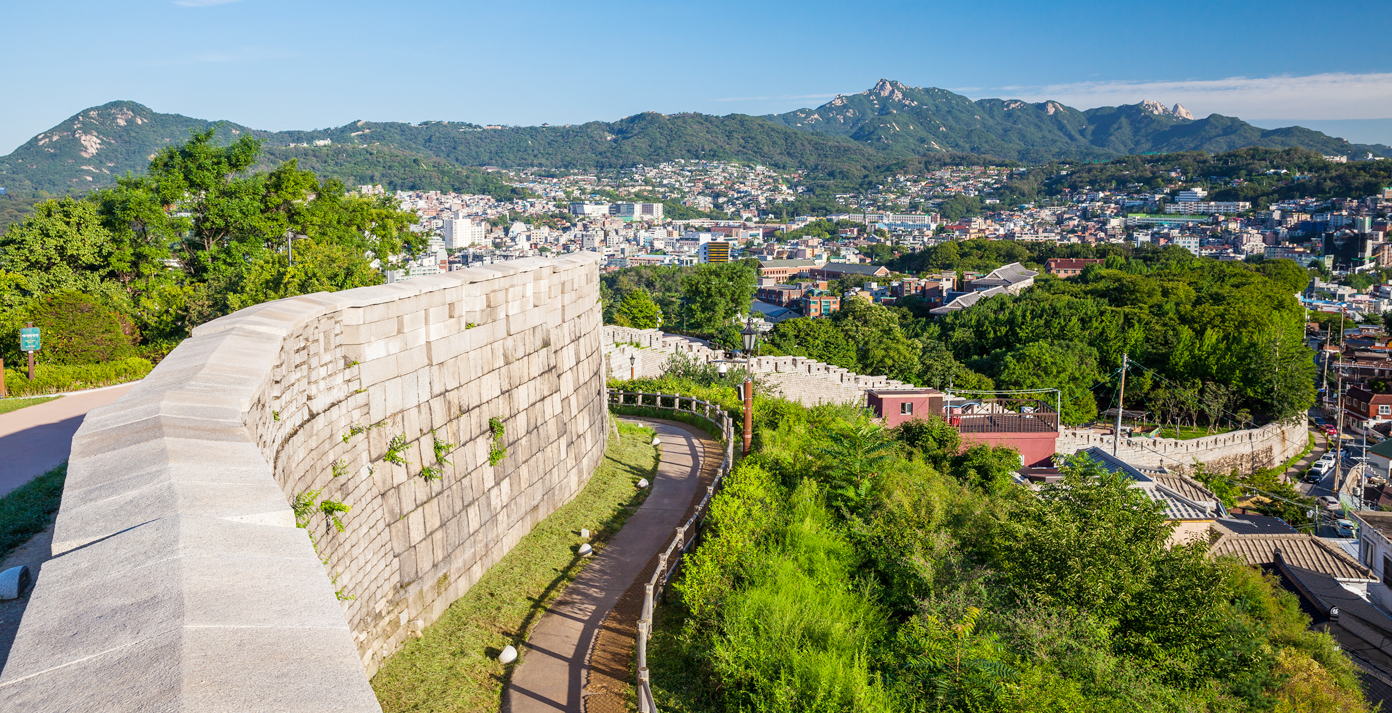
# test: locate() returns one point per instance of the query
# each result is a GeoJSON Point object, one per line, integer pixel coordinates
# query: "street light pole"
{"type": "Point", "coordinates": [750, 336]}
{"type": "Point", "coordinates": [632, 367]}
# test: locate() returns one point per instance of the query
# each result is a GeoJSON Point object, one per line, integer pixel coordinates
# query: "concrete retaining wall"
{"type": "Point", "coordinates": [1247, 451]}
{"type": "Point", "coordinates": [180, 581]}
{"type": "Point", "coordinates": [800, 379]}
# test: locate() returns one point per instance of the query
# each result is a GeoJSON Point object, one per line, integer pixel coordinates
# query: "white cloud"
{"type": "Point", "coordinates": [1315, 96]}
{"type": "Point", "coordinates": [202, 3]}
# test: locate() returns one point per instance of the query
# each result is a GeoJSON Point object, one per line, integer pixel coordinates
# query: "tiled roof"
{"type": "Point", "coordinates": [1188, 487]}
{"type": "Point", "coordinates": [1299, 550]}
{"type": "Point", "coordinates": [966, 300]}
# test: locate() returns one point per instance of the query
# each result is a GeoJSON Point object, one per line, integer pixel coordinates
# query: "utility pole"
{"type": "Point", "coordinates": [1339, 424]}
{"type": "Point", "coordinates": [1121, 396]}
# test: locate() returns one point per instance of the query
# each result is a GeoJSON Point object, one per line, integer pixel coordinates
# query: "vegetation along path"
{"type": "Point", "coordinates": [577, 658]}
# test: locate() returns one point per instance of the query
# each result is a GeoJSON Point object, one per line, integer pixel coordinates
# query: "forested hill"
{"type": "Point", "coordinates": [851, 135]}
{"type": "Point", "coordinates": [919, 120]}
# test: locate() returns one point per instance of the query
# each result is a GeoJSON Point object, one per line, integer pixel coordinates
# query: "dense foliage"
{"type": "Point", "coordinates": [199, 235]}
{"type": "Point", "coordinates": [849, 567]}
{"type": "Point", "coordinates": [1259, 176]}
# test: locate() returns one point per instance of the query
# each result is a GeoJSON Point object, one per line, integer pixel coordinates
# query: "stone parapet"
{"type": "Point", "coordinates": [1247, 451]}
{"type": "Point", "coordinates": [180, 580]}
{"type": "Point", "coordinates": [800, 379]}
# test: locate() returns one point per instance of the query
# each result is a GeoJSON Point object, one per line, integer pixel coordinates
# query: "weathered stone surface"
{"type": "Point", "coordinates": [181, 581]}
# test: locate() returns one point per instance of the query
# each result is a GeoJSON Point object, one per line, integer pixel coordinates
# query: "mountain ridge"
{"type": "Point", "coordinates": [888, 123]}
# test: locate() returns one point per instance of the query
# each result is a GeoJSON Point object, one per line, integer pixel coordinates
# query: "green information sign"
{"type": "Point", "coordinates": [29, 339]}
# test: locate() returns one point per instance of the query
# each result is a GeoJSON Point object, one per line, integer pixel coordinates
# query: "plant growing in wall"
{"type": "Point", "coordinates": [354, 430]}
{"type": "Point", "coordinates": [332, 509]}
{"type": "Point", "coordinates": [431, 472]}
{"type": "Point", "coordinates": [442, 449]}
{"type": "Point", "coordinates": [498, 451]}
{"type": "Point", "coordinates": [395, 447]}
{"type": "Point", "coordinates": [275, 415]}
{"type": "Point", "coordinates": [303, 507]}
{"type": "Point", "coordinates": [340, 468]}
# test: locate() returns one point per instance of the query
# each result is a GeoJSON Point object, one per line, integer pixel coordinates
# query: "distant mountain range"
{"type": "Point", "coordinates": [885, 124]}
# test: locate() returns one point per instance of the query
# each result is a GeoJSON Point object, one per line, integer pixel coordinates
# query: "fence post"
{"type": "Point", "coordinates": [644, 692]}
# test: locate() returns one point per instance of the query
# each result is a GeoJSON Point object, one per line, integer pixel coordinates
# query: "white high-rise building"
{"type": "Point", "coordinates": [463, 232]}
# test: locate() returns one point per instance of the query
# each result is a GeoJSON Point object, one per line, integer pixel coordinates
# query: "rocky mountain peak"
{"type": "Point", "coordinates": [1154, 107]}
{"type": "Point", "coordinates": [1181, 112]}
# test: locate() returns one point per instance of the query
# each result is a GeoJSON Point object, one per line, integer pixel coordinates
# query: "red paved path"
{"type": "Point", "coordinates": [36, 438]}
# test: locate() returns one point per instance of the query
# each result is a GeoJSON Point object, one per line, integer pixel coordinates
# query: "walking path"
{"type": "Point", "coordinates": [36, 438]}
{"type": "Point", "coordinates": [556, 672]}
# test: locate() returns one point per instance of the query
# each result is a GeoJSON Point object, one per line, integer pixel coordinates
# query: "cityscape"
{"type": "Point", "coordinates": [508, 359]}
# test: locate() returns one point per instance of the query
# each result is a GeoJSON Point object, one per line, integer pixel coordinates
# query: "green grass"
{"type": "Point", "coordinates": [28, 509]}
{"type": "Point", "coordinates": [454, 666]}
{"type": "Point", "coordinates": [15, 404]}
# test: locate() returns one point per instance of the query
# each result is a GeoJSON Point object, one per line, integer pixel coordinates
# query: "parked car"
{"type": "Point", "coordinates": [1346, 528]}
{"type": "Point", "coordinates": [1313, 477]}
{"type": "Point", "coordinates": [1321, 467]}
{"type": "Point", "coordinates": [1330, 431]}
{"type": "Point", "coordinates": [1329, 502]}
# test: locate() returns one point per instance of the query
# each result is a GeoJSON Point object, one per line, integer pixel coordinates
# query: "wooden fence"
{"type": "Point", "coordinates": [669, 561]}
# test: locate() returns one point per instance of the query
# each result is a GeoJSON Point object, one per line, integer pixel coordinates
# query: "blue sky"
{"type": "Point", "coordinates": [305, 65]}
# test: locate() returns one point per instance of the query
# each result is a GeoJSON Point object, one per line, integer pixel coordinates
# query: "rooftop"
{"type": "Point", "coordinates": [1299, 550]}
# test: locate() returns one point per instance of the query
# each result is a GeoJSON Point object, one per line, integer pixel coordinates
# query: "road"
{"type": "Point", "coordinates": [36, 438]}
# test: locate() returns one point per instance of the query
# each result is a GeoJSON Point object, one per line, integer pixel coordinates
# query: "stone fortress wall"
{"type": "Point", "coordinates": [811, 382]}
{"type": "Point", "coordinates": [1246, 451]}
{"type": "Point", "coordinates": [800, 379]}
{"type": "Point", "coordinates": [180, 580]}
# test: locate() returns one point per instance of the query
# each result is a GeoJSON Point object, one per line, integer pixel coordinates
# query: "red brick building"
{"type": "Point", "coordinates": [1068, 266]}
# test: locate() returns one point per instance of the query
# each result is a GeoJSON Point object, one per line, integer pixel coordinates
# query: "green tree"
{"type": "Point", "coordinates": [1068, 366]}
{"type": "Point", "coordinates": [882, 348]}
{"type": "Point", "coordinates": [717, 292]}
{"type": "Point", "coordinates": [61, 247]}
{"type": "Point", "coordinates": [819, 339]}
{"type": "Point", "coordinates": [638, 310]}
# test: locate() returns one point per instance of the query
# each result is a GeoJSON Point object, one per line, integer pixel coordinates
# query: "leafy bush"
{"type": "Point", "coordinates": [78, 330]}
{"type": "Point", "coordinates": [50, 379]}
{"type": "Point", "coordinates": [845, 567]}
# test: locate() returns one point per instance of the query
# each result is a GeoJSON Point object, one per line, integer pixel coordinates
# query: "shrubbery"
{"type": "Point", "coordinates": [51, 379]}
{"type": "Point", "coordinates": [850, 567]}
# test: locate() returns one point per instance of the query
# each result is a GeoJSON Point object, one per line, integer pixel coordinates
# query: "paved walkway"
{"type": "Point", "coordinates": [36, 438]}
{"type": "Point", "coordinates": [555, 661]}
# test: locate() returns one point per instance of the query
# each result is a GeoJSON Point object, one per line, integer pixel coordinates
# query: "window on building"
{"type": "Point", "coordinates": [906, 408]}
{"type": "Point", "coordinates": [1384, 409]}
{"type": "Point", "coordinates": [1386, 565]}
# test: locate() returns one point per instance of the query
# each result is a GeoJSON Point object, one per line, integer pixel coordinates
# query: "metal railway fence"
{"type": "Point", "coordinates": [669, 561]}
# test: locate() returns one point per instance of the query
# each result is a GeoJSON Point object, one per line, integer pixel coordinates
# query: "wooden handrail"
{"type": "Point", "coordinates": [670, 559]}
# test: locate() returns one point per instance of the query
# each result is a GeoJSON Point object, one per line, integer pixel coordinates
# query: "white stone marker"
{"type": "Point", "coordinates": [507, 655]}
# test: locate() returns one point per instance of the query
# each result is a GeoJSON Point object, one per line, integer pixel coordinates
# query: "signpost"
{"type": "Point", "coordinates": [29, 342]}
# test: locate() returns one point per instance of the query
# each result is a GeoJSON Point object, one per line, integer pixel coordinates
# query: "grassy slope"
{"type": "Point", "coordinates": [27, 510]}
{"type": "Point", "coordinates": [15, 404]}
{"type": "Point", "coordinates": [454, 666]}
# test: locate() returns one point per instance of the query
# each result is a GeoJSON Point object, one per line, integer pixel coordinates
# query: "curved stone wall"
{"type": "Point", "coordinates": [807, 381]}
{"type": "Point", "coordinates": [180, 580]}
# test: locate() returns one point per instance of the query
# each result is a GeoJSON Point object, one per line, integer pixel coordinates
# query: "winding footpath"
{"type": "Point", "coordinates": [560, 668]}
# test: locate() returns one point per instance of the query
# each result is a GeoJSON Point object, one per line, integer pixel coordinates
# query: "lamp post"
{"type": "Point", "coordinates": [750, 336]}
{"type": "Point", "coordinates": [632, 367]}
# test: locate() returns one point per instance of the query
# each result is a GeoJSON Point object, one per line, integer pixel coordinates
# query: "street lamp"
{"type": "Point", "coordinates": [750, 335]}
{"type": "Point", "coordinates": [632, 367]}
{"type": "Point", "coordinates": [290, 239]}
